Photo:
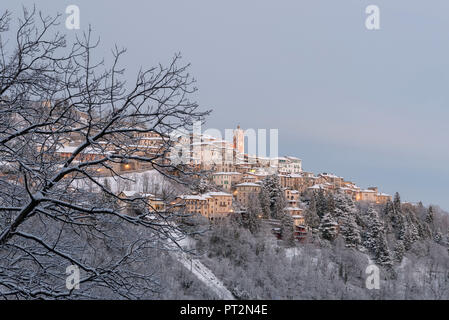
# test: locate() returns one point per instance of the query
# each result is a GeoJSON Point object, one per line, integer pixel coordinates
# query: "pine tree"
{"type": "Point", "coordinates": [375, 238]}
{"type": "Point", "coordinates": [438, 237]}
{"type": "Point", "coordinates": [201, 186]}
{"type": "Point", "coordinates": [383, 255]}
{"type": "Point", "coordinates": [331, 203]}
{"type": "Point", "coordinates": [321, 203]}
{"type": "Point", "coordinates": [272, 193]}
{"type": "Point", "coordinates": [343, 204]}
{"type": "Point", "coordinates": [405, 234]}
{"type": "Point", "coordinates": [328, 227]}
{"type": "Point", "coordinates": [388, 209]}
{"type": "Point", "coordinates": [397, 203]}
{"type": "Point", "coordinates": [347, 215]}
{"type": "Point", "coordinates": [287, 229]}
{"type": "Point", "coordinates": [265, 202]}
{"type": "Point", "coordinates": [252, 215]}
{"type": "Point", "coordinates": [350, 231]}
{"type": "Point", "coordinates": [279, 204]}
{"type": "Point", "coordinates": [311, 218]}
{"type": "Point", "coordinates": [429, 216]}
{"type": "Point", "coordinates": [399, 251]}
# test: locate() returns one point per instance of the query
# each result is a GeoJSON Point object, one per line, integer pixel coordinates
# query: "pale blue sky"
{"type": "Point", "coordinates": [371, 106]}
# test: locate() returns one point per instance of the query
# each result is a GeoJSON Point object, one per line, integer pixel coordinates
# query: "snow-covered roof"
{"type": "Point", "coordinates": [147, 195]}
{"type": "Point", "coordinates": [193, 197]}
{"type": "Point", "coordinates": [205, 196]}
{"type": "Point", "coordinates": [71, 149]}
{"type": "Point", "coordinates": [248, 184]}
{"type": "Point", "coordinates": [330, 175]}
{"type": "Point", "coordinates": [346, 188]}
{"type": "Point", "coordinates": [145, 146]}
{"type": "Point", "coordinates": [258, 174]}
{"type": "Point", "coordinates": [152, 138]}
{"type": "Point", "coordinates": [293, 158]}
{"type": "Point", "coordinates": [368, 191]}
{"type": "Point", "coordinates": [317, 186]}
{"type": "Point", "coordinates": [218, 194]}
{"type": "Point", "coordinates": [130, 193]}
{"type": "Point", "coordinates": [293, 209]}
{"type": "Point", "coordinates": [226, 173]}
{"type": "Point", "coordinates": [152, 196]}
{"type": "Point", "coordinates": [295, 175]}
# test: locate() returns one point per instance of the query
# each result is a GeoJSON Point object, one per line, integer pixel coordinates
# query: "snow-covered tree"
{"type": "Point", "coordinates": [375, 238]}
{"type": "Point", "coordinates": [67, 120]}
{"type": "Point", "coordinates": [347, 215]}
{"type": "Point", "coordinates": [287, 229]}
{"type": "Point", "coordinates": [328, 227]}
{"type": "Point", "coordinates": [321, 203]}
{"type": "Point", "coordinates": [429, 215]}
{"type": "Point", "coordinates": [311, 218]}
{"type": "Point", "coordinates": [330, 203]}
{"type": "Point", "coordinates": [252, 220]}
{"type": "Point", "coordinates": [265, 201]}
{"type": "Point", "coordinates": [399, 251]}
{"type": "Point", "coordinates": [408, 232]}
{"type": "Point", "coordinates": [350, 230]}
{"type": "Point", "coordinates": [201, 186]}
{"type": "Point", "coordinates": [397, 203]}
{"type": "Point", "coordinates": [272, 190]}
{"type": "Point", "coordinates": [438, 237]}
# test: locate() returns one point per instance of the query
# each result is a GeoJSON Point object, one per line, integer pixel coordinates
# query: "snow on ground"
{"type": "Point", "coordinates": [292, 252]}
{"type": "Point", "coordinates": [205, 275]}
{"type": "Point", "coordinates": [199, 270]}
{"type": "Point", "coordinates": [150, 181]}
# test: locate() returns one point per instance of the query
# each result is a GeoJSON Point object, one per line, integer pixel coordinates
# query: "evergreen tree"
{"type": "Point", "coordinates": [330, 203]}
{"type": "Point", "coordinates": [201, 186]}
{"type": "Point", "coordinates": [404, 234]}
{"type": "Point", "coordinates": [287, 229]}
{"type": "Point", "coordinates": [279, 204]}
{"type": "Point", "coordinates": [409, 232]}
{"type": "Point", "coordinates": [421, 210]}
{"type": "Point", "coordinates": [397, 203]}
{"type": "Point", "coordinates": [252, 214]}
{"type": "Point", "coordinates": [311, 218]}
{"type": "Point", "coordinates": [350, 231]}
{"type": "Point", "coordinates": [265, 201]}
{"type": "Point", "coordinates": [399, 251]}
{"type": "Point", "coordinates": [321, 203]}
{"type": "Point", "coordinates": [375, 238]}
{"type": "Point", "coordinates": [272, 193]}
{"type": "Point", "coordinates": [383, 255]}
{"type": "Point", "coordinates": [438, 237]}
{"type": "Point", "coordinates": [343, 204]}
{"type": "Point", "coordinates": [388, 209]}
{"type": "Point", "coordinates": [328, 227]}
{"type": "Point", "coordinates": [429, 216]}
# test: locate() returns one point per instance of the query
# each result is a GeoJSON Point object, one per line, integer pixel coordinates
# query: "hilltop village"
{"type": "Point", "coordinates": [234, 178]}
{"type": "Point", "coordinates": [237, 177]}
{"type": "Point", "coordinates": [240, 178]}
